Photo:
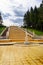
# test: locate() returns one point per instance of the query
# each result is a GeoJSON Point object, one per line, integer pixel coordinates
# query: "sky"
{"type": "Point", "coordinates": [14, 10]}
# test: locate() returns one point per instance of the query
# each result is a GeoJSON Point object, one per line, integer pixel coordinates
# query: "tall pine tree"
{"type": "Point", "coordinates": [36, 17]}
{"type": "Point", "coordinates": [32, 17]}
{"type": "Point", "coordinates": [1, 20]}
{"type": "Point", "coordinates": [27, 22]}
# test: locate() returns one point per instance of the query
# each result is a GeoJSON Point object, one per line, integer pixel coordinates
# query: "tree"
{"type": "Point", "coordinates": [36, 17]}
{"type": "Point", "coordinates": [41, 5]}
{"type": "Point", "coordinates": [1, 19]}
{"type": "Point", "coordinates": [32, 17]}
{"type": "Point", "coordinates": [27, 22]}
{"type": "Point", "coordinates": [25, 25]}
{"type": "Point", "coordinates": [40, 9]}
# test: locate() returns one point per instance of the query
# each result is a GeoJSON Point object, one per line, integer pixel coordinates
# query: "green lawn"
{"type": "Point", "coordinates": [36, 31]}
{"type": "Point", "coordinates": [2, 28]}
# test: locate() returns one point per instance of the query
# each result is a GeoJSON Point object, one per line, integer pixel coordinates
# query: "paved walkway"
{"type": "Point", "coordinates": [20, 54]}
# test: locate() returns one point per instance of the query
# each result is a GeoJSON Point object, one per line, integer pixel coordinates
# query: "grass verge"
{"type": "Point", "coordinates": [2, 28]}
{"type": "Point", "coordinates": [37, 32]}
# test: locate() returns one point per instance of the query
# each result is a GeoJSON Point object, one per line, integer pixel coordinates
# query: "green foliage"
{"type": "Point", "coordinates": [1, 19]}
{"type": "Point", "coordinates": [27, 19]}
{"type": "Point", "coordinates": [34, 18]}
{"type": "Point", "coordinates": [2, 28]}
{"type": "Point", "coordinates": [37, 32]}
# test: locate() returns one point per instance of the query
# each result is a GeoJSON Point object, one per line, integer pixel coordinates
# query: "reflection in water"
{"type": "Point", "coordinates": [6, 44]}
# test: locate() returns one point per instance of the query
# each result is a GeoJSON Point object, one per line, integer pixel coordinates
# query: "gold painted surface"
{"type": "Point", "coordinates": [17, 33]}
{"type": "Point", "coordinates": [20, 54]}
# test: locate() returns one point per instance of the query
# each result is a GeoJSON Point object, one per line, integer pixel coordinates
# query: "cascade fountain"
{"type": "Point", "coordinates": [26, 37]}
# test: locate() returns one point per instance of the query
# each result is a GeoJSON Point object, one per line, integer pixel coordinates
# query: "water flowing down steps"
{"type": "Point", "coordinates": [17, 33]}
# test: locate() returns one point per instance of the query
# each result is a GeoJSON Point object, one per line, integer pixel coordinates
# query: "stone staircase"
{"type": "Point", "coordinates": [17, 33]}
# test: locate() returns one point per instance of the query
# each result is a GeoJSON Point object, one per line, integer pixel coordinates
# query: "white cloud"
{"type": "Point", "coordinates": [10, 23]}
{"type": "Point", "coordinates": [4, 6]}
{"type": "Point", "coordinates": [15, 8]}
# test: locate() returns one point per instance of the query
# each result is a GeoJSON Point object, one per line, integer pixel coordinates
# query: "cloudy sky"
{"type": "Point", "coordinates": [14, 10]}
